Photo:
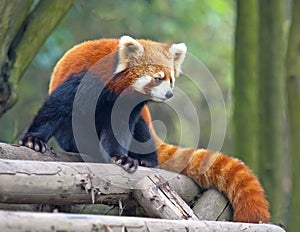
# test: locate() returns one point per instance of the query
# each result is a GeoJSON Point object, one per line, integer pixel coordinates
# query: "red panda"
{"type": "Point", "coordinates": [138, 69]}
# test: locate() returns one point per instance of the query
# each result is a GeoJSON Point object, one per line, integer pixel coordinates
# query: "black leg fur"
{"type": "Point", "coordinates": [56, 110]}
{"type": "Point", "coordinates": [116, 143]}
{"type": "Point", "coordinates": [146, 143]}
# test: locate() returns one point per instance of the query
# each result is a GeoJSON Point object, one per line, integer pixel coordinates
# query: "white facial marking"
{"type": "Point", "coordinates": [141, 82]}
{"type": "Point", "coordinates": [172, 78]}
{"type": "Point", "coordinates": [161, 74]}
{"type": "Point", "coordinates": [158, 93]}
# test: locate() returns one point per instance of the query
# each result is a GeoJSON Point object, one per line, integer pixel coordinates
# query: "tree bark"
{"type": "Point", "coordinates": [100, 209]}
{"type": "Point", "coordinates": [245, 119]}
{"type": "Point", "coordinates": [34, 222]}
{"type": "Point", "coordinates": [293, 93]}
{"type": "Point", "coordinates": [271, 106]}
{"type": "Point", "coordinates": [211, 205]}
{"type": "Point", "coordinates": [36, 182]}
{"type": "Point", "coordinates": [23, 31]}
{"type": "Point", "coordinates": [159, 200]}
{"type": "Point", "coordinates": [16, 152]}
{"type": "Point", "coordinates": [13, 14]}
{"type": "Point", "coordinates": [211, 199]}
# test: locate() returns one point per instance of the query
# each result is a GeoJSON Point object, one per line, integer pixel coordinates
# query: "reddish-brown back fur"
{"type": "Point", "coordinates": [81, 57]}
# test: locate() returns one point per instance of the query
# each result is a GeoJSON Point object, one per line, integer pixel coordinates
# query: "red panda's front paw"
{"type": "Point", "coordinates": [33, 143]}
{"type": "Point", "coordinates": [127, 163]}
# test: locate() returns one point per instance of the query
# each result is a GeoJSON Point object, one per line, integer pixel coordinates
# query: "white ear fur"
{"type": "Point", "coordinates": [128, 48]}
{"type": "Point", "coordinates": [178, 51]}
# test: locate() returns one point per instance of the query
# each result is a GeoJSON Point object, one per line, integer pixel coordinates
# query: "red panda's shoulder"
{"type": "Point", "coordinates": [80, 58]}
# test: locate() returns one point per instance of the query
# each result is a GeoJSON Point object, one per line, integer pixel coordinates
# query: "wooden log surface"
{"type": "Point", "coordinates": [34, 222]}
{"type": "Point", "coordinates": [210, 199]}
{"type": "Point", "coordinates": [39, 183]}
{"type": "Point", "coordinates": [100, 209]}
{"type": "Point", "coordinates": [16, 152]}
{"type": "Point", "coordinates": [36, 182]}
{"type": "Point", "coordinates": [159, 200]}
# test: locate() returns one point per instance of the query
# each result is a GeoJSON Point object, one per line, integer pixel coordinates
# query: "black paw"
{"type": "Point", "coordinates": [127, 163]}
{"type": "Point", "coordinates": [33, 143]}
{"type": "Point", "coordinates": [148, 163]}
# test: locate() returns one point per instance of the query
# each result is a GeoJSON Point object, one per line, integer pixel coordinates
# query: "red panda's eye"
{"type": "Point", "coordinates": [158, 79]}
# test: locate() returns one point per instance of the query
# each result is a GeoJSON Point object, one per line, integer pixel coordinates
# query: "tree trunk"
{"type": "Point", "coordinates": [23, 31]}
{"type": "Point", "coordinates": [13, 14]}
{"type": "Point", "coordinates": [293, 93]}
{"type": "Point", "coordinates": [271, 106]}
{"type": "Point", "coordinates": [245, 83]}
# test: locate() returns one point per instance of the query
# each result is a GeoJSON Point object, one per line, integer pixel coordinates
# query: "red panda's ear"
{"type": "Point", "coordinates": [128, 48]}
{"type": "Point", "coordinates": [178, 52]}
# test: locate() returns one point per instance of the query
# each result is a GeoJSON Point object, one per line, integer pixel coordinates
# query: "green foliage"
{"type": "Point", "coordinates": [205, 26]}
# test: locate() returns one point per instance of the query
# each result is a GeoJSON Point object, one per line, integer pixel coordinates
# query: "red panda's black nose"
{"type": "Point", "coordinates": [169, 94]}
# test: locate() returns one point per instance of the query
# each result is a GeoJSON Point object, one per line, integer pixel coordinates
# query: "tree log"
{"type": "Point", "coordinates": [209, 200]}
{"type": "Point", "coordinates": [25, 221]}
{"type": "Point", "coordinates": [158, 199]}
{"type": "Point", "coordinates": [63, 190]}
{"type": "Point", "coordinates": [36, 182]}
{"type": "Point", "coordinates": [16, 152]}
{"type": "Point", "coordinates": [100, 209]}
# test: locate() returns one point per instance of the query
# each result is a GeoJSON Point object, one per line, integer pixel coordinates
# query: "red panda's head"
{"type": "Point", "coordinates": [150, 67]}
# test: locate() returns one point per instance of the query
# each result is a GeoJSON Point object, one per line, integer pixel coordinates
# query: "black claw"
{"type": "Point", "coordinates": [33, 143]}
{"type": "Point", "coordinates": [127, 163]}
